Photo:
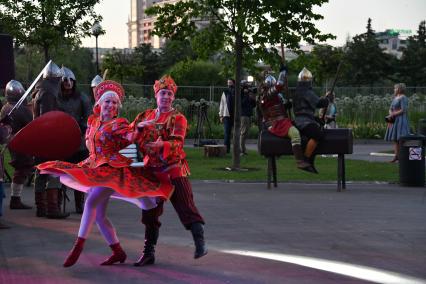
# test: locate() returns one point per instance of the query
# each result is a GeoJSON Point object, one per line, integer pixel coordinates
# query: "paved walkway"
{"type": "Point", "coordinates": [296, 233]}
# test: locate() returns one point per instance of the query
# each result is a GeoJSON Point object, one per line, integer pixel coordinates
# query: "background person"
{"type": "Point", "coordinates": [47, 188]}
{"type": "Point", "coordinates": [5, 131]}
{"type": "Point", "coordinates": [22, 164]}
{"type": "Point", "coordinates": [329, 113]}
{"type": "Point", "coordinates": [226, 112]}
{"type": "Point", "coordinates": [76, 104]}
{"type": "Point", "coordinates": [248, 102]}
{"type": "Point", "coordinates": [305, 102]}
{"type": "Point", "coordinates": [398, 119]}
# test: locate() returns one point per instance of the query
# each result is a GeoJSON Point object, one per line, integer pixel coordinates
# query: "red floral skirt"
{"type": "Point", "coordinates": [129, 183]}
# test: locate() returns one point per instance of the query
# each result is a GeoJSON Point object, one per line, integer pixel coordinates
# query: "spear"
{"type": "Point", "coordinates": [287, 94]}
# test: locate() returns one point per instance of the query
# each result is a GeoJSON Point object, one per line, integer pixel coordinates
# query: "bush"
{"type": "Point", "coordinates": [364, 114]}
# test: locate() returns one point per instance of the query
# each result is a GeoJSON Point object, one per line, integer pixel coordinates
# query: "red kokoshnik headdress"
{"type": "Point", "coordinates": [109, 86]}
{"type": "Point", "coordinates": [166, 82]}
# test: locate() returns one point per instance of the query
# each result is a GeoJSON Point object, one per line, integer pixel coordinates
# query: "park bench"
{"type": "Point", "coordinates": [337, 141]}
{"type": "Point", "coordinates": [132, 152]}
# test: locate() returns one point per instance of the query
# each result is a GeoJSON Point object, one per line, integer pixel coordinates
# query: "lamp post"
{"type": "Point", "coordinates": [96, 31]}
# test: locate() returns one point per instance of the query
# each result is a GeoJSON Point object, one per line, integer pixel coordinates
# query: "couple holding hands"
{"type": "Point", "coordinates": [159, 134]}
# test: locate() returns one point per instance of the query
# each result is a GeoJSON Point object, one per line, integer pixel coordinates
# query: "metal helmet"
{"type": "Point", "coordinates": [67, 74]}
{"type": "Point", "coordinates": [270, 81]}
{"type": "Point", "coordinates": [96, 81]}
{"type": "Point", "coordinates": [52, 71]}
{"type": "Point", "coordinates": [305, 75]}
{"type": "Point", "coordinates": [14, 91]}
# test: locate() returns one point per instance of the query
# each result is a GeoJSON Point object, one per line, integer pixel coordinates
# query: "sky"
{"type": "Point", "coordinates": [342, 18]}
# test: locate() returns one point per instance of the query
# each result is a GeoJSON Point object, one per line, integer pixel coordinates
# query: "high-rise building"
{"type": "Point", "coordinates": [393, 40]}
{"type": "Point", "coordinates": [140, 25]}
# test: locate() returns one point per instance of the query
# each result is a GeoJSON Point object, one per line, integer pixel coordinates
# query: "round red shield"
{"type": "Point", "coordinates": [54, 135]}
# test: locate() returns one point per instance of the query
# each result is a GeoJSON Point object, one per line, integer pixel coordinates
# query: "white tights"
{"type": "Point", "coordinates": [95, 210]}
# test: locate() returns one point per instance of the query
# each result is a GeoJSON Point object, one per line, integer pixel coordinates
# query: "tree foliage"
{"type": "Point", "coordinates": [29, 62]}
{"type": "Point", "coordinates": [196, 73]}
{"type": "Point", "coordinates": [369, 64]}
{"type": "Point", "coordinates": [413, 62]}
{"type": "Point", "coordinates": [120, 66]}
{"type": "Point", "coordinates": [248, 28]}
{"type": "Point", "coordinates": [48, 23]}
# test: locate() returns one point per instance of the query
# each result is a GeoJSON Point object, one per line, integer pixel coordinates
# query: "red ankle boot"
{"type": "Point", "coordinates": [118, 255]}
{"type": "Point", "coordinates": [75, 252]}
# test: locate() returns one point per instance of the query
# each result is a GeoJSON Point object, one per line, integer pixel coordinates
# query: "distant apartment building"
{"type": "Point", "coordinates": [392, 41]}
{"type": "Point", "coordinates": [140, 25]}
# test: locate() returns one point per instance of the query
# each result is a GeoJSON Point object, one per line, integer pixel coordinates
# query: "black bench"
{"type": "Point", "coordinates": [337, 141]}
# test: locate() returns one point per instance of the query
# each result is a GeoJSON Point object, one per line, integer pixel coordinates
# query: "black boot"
{"type": "Point", "coordinates": [311, 160]}
{"type": "Point", "coordinates": [79, 201]}
{"type": "Point", "coordinates": [198, 235]}
{"type": "Point", "coordinates": [148, 256]}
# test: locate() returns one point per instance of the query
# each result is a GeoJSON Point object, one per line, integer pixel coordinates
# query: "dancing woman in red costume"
{"type": "Point", "coordinates": [106, 173]}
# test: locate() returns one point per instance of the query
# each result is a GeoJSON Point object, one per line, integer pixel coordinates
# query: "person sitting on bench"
{"type": "Point", "coordinates": [276, 119]}
{"type": "Point", "coordinates": [305, 102]}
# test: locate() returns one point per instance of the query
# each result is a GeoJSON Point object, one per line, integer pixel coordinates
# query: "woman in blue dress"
{"type": "Point", "coordinates": [398, 113]}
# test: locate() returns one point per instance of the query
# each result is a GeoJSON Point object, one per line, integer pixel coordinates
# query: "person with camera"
{"type": "Point", "coordinates": [397, 119]}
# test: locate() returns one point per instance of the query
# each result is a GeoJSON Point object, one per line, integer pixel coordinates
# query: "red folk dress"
{"type": "Point", "coordinates": [106, 167]}
{"type": "Point", "coordinates": [171, 128]}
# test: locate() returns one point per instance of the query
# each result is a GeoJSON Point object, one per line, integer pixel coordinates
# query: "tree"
{"type": "Point", "coordinates": [146, 63]}
{"type": "Point", "coordinates": [196, 73]}
{"type": "Point", "coordinates": [28, 62]}
{"type": "Point", "coordinates": [175, 51]}
{"type": "Point", "coordinates": [48, 23]}
{"type": "Point", "coordinates": [248, 28]}
{"type": "Point", "coordinates": [322, 62]}
{"type": "Point", "coordinates": [369, 64]}
{"type": "Point", "coordinates": [119, 65]}
{"type": "Point", "coordinates": [413, 62]}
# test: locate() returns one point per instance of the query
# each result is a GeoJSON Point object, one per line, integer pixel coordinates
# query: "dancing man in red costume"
{"type": "Point", "coordinates": [161, 137]}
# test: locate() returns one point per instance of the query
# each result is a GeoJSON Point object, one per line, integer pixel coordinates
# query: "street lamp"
{"type": "Point", "coordinates": [96, 31]}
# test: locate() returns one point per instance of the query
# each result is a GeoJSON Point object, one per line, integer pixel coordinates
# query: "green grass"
{"type": "Point", "coordinates": [203, 168]}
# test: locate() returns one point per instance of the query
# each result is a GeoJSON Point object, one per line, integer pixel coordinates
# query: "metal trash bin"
{"type": "Point", "coordinates": [412, 160]}
{"type": "Point", "coordinates": [421, 127]}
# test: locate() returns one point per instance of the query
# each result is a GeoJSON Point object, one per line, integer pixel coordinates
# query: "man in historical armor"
{"type": "Point", "coordinates": [46, 187]}
{"type": "Point", "coordinates": [23, 164]}
{"type": "Point", "coordinates": [95, 82]}
{"type": "Point", "coordinates": [274, 108]}
{"type": "Point", "coordinates": [305, 102]}
{"type": "Point", "coordinates": [76, 104]}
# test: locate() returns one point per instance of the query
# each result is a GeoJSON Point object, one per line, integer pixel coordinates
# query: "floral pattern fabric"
{"type": "Point", "coordinates": [106, 167]}
{"type": "Point", "coordinates": [171, 128]}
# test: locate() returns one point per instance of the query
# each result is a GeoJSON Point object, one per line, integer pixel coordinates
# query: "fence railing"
{"type": "Point", "coordinates": [213, 93]}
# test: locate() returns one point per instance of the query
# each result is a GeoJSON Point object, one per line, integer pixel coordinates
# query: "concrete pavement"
{"type": "Point", "coordinates": [297, 233]}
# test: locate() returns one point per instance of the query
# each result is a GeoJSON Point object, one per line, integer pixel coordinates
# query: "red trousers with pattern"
{"type": "Point", "coordinates": [182, 200]}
